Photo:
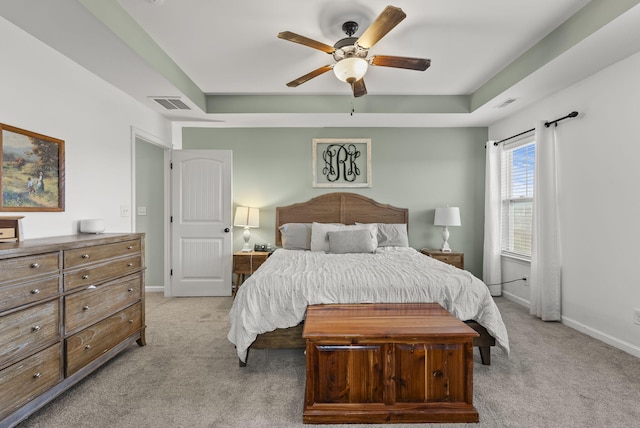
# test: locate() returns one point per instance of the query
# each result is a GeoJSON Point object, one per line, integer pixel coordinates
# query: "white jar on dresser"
{"type": "Point", "coordinates": [67, 305]}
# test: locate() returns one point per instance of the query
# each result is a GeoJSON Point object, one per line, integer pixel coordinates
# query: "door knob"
{"type": "Point", "coordinates": [227, 230]}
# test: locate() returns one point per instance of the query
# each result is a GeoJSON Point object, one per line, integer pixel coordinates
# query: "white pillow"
{"type": "Point", "coordinates": [319, 237]}
{"type": "Point", "coordinates": [352, 241]}
{"type": "Point", "coordinates": [319, 231]}
{"type": "Point", "coordinates": [392, 234]}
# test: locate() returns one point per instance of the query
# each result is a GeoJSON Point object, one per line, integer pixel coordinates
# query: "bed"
{"type": "Point", "coordinates": [269, 308]}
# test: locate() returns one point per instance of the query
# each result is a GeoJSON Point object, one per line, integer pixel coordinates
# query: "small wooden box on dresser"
{"type": "Point", "coordinates": [67, 305]}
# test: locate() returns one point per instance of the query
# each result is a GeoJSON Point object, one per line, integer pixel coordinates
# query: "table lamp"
{"type": "Point", "coordinates": [448, 216]}
{"type": "Point", "coordinates": [247, 217]}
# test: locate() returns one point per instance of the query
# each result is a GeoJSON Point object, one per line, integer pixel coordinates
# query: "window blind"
{"type": "Point", "coordinates": [518, 162]}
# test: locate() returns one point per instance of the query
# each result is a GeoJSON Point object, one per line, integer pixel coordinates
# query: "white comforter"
{"type": "Point", "coordinates": [277, 294]}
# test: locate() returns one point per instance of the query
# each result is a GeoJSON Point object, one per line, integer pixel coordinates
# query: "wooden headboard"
{"type": "Point", "coordinates": [339, 207]}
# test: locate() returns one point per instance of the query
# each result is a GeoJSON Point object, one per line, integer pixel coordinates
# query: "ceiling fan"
{"type": "Point", "coordinates": [351, 53]}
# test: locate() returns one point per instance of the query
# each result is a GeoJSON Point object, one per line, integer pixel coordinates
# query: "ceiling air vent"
{"type": "Point", "coordinates": [506, 102]}
{"type": "Point", "coordinates": [171, 103]}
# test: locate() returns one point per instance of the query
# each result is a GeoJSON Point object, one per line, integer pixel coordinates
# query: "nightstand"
{"type": "Point", "coordinates": [452, 258]}
{"type": "Point", "coordinates": [245, 263]}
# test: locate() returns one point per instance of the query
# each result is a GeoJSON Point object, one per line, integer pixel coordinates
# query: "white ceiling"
{"type": "Point", "coordinates": [231, 48]}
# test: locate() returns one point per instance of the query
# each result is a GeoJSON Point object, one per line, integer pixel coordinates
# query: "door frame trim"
{"type": "Point", "coordinates": [137, 133]}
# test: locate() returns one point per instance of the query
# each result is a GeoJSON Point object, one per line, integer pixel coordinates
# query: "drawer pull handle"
{"type": "Point", "coordinates": [35, 291]}
{"type": "Point", "coordinates": [85, 308]}
{"type": "Point", "coordinates": [85, 276]}
{"type": "Point", "coordinates": [35, 265]}
{"type": "Point", "coordinates": [37, 375]}
{"type": "Point", "coordinates": [85, 256]}
{"type": "Point", "coordinates": [130, 321]}
{"type": "Point", "coordinates": [91, 287]}
{"type": "Point", "coordinates": [36, 328]}
{"type": "Point", "coordinates": [87, 347]}
{"type": "Point", "coordinates": [130, 247]}
{"type": "Point", "coordinates": [130, 290]}
{"type": "Point", "coordinates": [129, 264]}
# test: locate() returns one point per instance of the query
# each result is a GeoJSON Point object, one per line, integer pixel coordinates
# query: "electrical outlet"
{"type": "Point", "coordinates": [636, 316]}
{"type": "Point", "coordinates": [124, 210]}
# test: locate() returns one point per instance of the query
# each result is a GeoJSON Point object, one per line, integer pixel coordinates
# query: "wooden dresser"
{"type": "Point", "coordinates": [67, 305]}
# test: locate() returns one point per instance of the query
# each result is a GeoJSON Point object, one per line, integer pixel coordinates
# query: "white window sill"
{"type": "Point", "coordinates": [522, 259]}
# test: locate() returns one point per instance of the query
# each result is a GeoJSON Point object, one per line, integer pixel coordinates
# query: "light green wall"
{"type": "Point", "coordinates": [415, 168]}
{"type": "Point", "coordinates": [150, 194]}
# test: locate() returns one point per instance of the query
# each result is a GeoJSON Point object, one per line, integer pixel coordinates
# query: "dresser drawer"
{"type": "Point", "coordinates": [7, 232]}
{"type": "Point", "coordinates": [12, 296]}
{"type": "Point", "coordinates": [89, 306]}
{"type": "Point", "coordinates": [101, 272]}
{"type": "Point", "coordinates": [98, 253]}
{"type": "Point", "coordinates": [26, 330]}
{"type": "Point", "coordinates": [454, 259]}
{"type": "Point", "coordinates": [91, 343]}
{"type": "Point", "coordinates": [24, 268]}
{"type": "Point", "coordinates": [25, 380]}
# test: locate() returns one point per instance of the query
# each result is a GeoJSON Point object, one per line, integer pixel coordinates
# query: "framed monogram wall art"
{"type": "Point", "coordinates": [341, 162]}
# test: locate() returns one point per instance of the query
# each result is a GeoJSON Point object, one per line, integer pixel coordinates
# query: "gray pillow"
{"type": "Point", "coordinates": [296, 236]}
{"type": "Point", "coordinates": [392, 235]}
{"type": "Point", "coordinates": [352, 241]}
{"type": "Point", "coordinates": [320, 239]}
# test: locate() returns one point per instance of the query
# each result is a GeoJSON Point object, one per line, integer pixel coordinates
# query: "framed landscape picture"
{"type": "Point", "coordinates": [341, 162]}
{"type": "Point", "coordinates": [31, 171]}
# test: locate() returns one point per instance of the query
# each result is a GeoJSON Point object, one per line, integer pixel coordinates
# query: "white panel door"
{"type": "Point", "coordinates": [201, 239]}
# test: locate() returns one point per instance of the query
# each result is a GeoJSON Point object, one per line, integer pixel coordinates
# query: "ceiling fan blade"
{"type": "Point", "coordinates": [420, 64]}
{"type": "Point", "coordinates": [385, 22]}
{"type": "Point", "coordinates": [315, 73]}
{"type": "Point", "coordinates": [359, 89]}
{"type": "Point", "coordinates": [297, 38]}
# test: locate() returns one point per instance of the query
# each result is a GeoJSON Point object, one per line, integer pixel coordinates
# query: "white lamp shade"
{"type": "Point", "coordinates": [247, 217]}
{"type": "Point", "coordinates": [350, 70]}
{"type": "Point", "coordinates": [447, 216]}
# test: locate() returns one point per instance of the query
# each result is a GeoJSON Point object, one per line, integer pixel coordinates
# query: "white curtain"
{"type": "Point", "coordinates": [545, 280]}
{"type": "Point", "coordinates": [492, 273]}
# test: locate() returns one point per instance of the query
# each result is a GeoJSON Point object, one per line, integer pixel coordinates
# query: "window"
{"type": "Point", "coordinates": [518, 161]}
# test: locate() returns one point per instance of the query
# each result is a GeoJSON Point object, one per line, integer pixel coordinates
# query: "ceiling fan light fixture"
{"type": "Point", "coordinates": [351, 70]}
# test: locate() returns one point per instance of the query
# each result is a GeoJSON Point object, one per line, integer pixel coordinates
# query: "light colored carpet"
{"type": "Point", "coordinates": [188, 376]}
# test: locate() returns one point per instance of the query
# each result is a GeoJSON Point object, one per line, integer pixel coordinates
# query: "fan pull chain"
{"type": "Point", "coordinates": [353, 107]}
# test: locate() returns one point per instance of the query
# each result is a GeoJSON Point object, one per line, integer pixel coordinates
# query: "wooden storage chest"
{"type": "Point", "coordinates": [387, 363]}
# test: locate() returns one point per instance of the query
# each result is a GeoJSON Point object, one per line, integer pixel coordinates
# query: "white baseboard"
{"type": "Point", "coordinates": [603, 337]}
{"type": "Point", "coordinates": [596, 334]}
{"type": "Point", "coordinates": [154, 289]}
{"type": "Point", "coordinates": [516, 299]}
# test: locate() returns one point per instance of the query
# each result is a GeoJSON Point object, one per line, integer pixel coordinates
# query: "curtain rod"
{"type": "Point", "coordinates": [547, 124]}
